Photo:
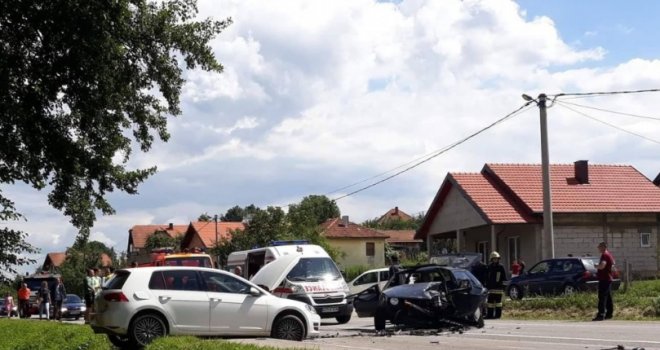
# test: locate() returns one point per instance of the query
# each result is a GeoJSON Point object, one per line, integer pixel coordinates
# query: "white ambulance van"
{"type": "Point", "coordinates": [299, 271]}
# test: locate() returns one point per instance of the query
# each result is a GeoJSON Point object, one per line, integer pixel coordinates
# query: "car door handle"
{"type": "Point", "coordinates": [217, 300]}
{"type": "Point", "coordinates": [164, 298]}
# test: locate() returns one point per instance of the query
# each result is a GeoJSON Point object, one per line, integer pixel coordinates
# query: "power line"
{"type": "Point", "coordinates": [608, 124]}
{"type": "Point", "coordinates": [600, 93]}
{"type": "Point", "coordinates": [610, 111]}
{"type": "Point", "coordinates": [440, 151]}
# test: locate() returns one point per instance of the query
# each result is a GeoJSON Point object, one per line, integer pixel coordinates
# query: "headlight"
{"type": "Point", "coordinates": [83, 308]}
{"type": "Point", "coordinates": [296, 289]}
{"type": "Point", "coordinates": [394, 301]}
{"type": "Point", "coordinates": [63, 309]}
{"type": "Point", "coordinates": [310, 308]}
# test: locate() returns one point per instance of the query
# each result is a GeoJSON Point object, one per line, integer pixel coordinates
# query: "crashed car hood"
{"type": "Point", "coordinates": [411, 291]}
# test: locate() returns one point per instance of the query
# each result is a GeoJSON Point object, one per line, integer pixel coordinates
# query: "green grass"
{"type": "Point", "coordinates": [640, 302]}
{"type": "Point", "coordinates": [19, 334]}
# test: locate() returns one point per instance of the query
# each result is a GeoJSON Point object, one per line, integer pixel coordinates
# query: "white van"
{"type": "Point", "coordinates": [302, 272]}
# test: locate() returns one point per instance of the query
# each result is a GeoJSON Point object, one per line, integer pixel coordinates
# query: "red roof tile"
{"type": "Point", "coordinates": [489, 199]}
{"type": "Point", "coordinates": [333, 228]}
{"type": "Point", "coordinates": [206, 230]}
{"type": "Point", "coordinates": [400, 236]}
{"type": "Point", "coordinates": [395, 214]}
{"type": "Point", "coordinates": [56, 259]}
{"type": "Point", "coordinates": [140, 233]}
{"type": "Point", "coordinates": [611, 188]}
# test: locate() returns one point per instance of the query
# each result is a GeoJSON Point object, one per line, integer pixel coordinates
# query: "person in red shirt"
{"type": "Point", "coordinates": [515, 269]}
{"type": "Point", "coordinates": [24, 301]}
{"type": "Point", "coordinates": [604, 275]}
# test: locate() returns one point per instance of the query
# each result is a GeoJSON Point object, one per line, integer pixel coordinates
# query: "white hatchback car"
{"type": "Point", "coordinates": [368, 279]}
{"type": "Point", "coordinates": [141, 304]}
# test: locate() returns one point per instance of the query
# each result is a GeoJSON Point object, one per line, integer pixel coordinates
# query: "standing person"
{"type": "Point", "coordinates": [238, 271]}
{"type": "Point", "coordinates": [9, 304]}
{"type": "Point", "coordinates": [604, 275]}
{"type": "Point", "coordinates": [44, 297]}
{"type": "Point", "coordinates": [59, 294]}
{"type": "Point", "coordinates": [395, 267]}
{"type": "Point", "coordinates": [90, 286]}
{"type": "Point", "coordinates": [495, 284]}
{"type": "Point", "coordinates": [109, 274]}
{"type": "Point", "coordinates": [522, 266]}
{"type": "Point", "coordinates": [23, 300]}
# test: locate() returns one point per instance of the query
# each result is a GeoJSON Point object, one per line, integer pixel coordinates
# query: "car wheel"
{"type": "Point", "coordinates": [145, 328]}
{"type": "Point", "coordinates": [478, 318]}
{"type": "Point", "coordinates": [515, 293]}
{"type": "Point", "coordinates": [343, 319]}
{"type": "Point", "coordinates": [120, 341]}
{"type": "Point", "coordinates": [569, 289]}
{"type": "Point", "coordinates": [379, 321]}
{"type": "Point", "coordinates": [288, 327]}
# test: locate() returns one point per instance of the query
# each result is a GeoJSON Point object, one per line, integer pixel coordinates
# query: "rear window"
{"type": "Point", "coordinates": [189, 261]}
{"type": "Point", "coordinates": [314, 270]}
{"type": "Point", "coordinates": [118, 281]}
{"type": "Point", "coordinates": [590, 263]}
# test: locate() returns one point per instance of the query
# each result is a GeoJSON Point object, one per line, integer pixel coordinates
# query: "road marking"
{"type": "Point", "coordinates": [618, 341]}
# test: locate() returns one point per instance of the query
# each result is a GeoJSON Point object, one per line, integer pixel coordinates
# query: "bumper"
{"type": "Point", "coordinates": [329, 311]}
{"type": "Point", "coordinates": [313, 326]}
{"type": "Point", "coordinates": [593, 285]}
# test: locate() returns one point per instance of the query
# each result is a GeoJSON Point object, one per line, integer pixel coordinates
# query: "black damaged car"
{"type": "Point", "coordinates": [425, 296]}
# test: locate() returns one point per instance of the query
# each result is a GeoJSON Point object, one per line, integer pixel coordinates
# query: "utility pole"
{"type": "Point", "coordinates": [548, 237]}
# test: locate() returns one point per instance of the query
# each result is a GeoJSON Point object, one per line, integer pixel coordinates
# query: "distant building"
{"type": "Point", "coordinates": [360, 245]}
{"type": "Point", "coordinates": [206, 234]}
{"type": "Point", "coordinates": [53, 261]}
{"type": "Point", "coordinates": [394, 214]}
{"type": "Point", "coordinates": [138, 235]}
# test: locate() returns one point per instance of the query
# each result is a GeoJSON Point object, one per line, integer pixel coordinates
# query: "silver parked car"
{"type": "Point", "coordinates": [141, 304]}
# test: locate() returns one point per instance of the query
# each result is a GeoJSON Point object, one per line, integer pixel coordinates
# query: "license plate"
{"type": "Point", "coordinates": [74, 312]}
{"type": "Point", "coordinates": [330, 309]}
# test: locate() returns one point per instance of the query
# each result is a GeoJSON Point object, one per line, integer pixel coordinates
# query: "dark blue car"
{"type": "Point", "coordinates": [73, 307]}
{"type": "Point", "coordinates": [559, 276]}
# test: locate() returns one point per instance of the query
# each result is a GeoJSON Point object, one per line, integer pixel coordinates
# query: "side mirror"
{"type": "Point", "coordinates": [254, 292]}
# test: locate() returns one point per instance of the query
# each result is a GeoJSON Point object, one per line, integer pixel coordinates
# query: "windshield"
{"type": "Point", "coordinates": [314, 270]}
{"type": "Point", "coordinates": [72, 299]}
{"type": "Point", "coordinates": [463, 261]}
{"type": "Point", "coordinates": [189, 261]}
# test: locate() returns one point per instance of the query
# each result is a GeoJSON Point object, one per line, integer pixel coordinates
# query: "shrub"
{"type": "Point", "coordinates": [193, 343]}
{"type": "Point", "coordinates": [35, 334]}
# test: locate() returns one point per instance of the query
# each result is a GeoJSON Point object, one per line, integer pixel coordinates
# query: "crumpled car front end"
{"type": "Point", "coordinates": [416, 305]}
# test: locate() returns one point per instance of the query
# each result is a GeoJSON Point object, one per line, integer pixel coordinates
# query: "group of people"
{"type": "Point", "coordinates": [92, 285]}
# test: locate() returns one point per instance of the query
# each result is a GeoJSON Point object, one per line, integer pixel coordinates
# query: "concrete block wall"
{"type": "Point", "coordinates": [623, 242]}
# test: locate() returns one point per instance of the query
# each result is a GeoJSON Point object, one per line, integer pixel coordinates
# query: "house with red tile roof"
{"type": "Point", "coordinates": [394, 214]}
{"type": "Point", "coordinates": [54, 260]}
{"type": "Point", "coordinates": [205, 235]}
{"type": "Point", "coordinates": [404, 242]}
{"type": "Point", "coordinates": [359, 245]}
{"type": "Point", "coordinates": [138, 235]}
{"type": "Point", "coordinates": [501, 208]}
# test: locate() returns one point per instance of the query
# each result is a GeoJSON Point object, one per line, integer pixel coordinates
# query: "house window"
{"type": "Point", "coordinates": [514, 249]}
{"type": "Point", "coordinates": [371, 249]}
{"type": "Point", "coordinates": [645, 239]}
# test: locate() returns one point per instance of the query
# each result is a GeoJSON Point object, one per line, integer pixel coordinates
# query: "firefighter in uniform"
{"type": "Point", "coordinates": [495, 284]}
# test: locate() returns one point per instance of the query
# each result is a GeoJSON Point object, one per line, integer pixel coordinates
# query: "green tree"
{"type": "Point", "coordinates": [13, 246]}
{"type": "Point", "coordinates": [238, 214]}
{"type": "Point", "coordinates": [76, 79]}
{"type": "Point", "coordinates": [78, 259]}
{"type": "Point", "coordinates": [160, 239]}
{"type": "Point", "coordinates": [313, 210]}
{"type": "Point", "coordinates": [205, 217]}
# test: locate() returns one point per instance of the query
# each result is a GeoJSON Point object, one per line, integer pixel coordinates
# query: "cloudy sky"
{"type": "Point", "coordinates": [319, 95]}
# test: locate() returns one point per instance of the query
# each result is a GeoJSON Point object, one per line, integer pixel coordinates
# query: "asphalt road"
{"type": "Point", "coordinates": [500, 334]}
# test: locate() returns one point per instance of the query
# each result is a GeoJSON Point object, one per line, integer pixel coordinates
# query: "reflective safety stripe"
{"type": "Point", "coordinates": [494, 305]}
{"type": "Point", "coordinates": [495, 291]}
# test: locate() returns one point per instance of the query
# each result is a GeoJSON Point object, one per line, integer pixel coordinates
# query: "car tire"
{"type": "Point", "coordinates": [122, 342]}
{"type": "Point", "coordinates": [343, 319]}
{"type": "Point", "coordinates": [569, 289]}
{"type": "Point", "coordinates": [288, 327]}
{"type": "Point", "coordinates": [145, 328]}
{"type": "Point", "coordinates": [515, 293]}
{"type": "Point", "coordinates": [478, 318]}
{"type": "Point", "coordinates": [379, 321]}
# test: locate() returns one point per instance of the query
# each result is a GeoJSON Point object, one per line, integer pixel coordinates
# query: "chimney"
{"type": "Point", "coordinates": [344, 221]}
{"type": "Point", "coordinates": [396, 210]}
{"type": "Point", "coordinates": [657, 180]}
{"type": "Point", "coordinates": [171, 226]}
{"type": "Point", "coordinates": [582, 171]}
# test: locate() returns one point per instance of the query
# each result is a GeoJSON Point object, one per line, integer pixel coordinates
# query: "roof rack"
{"type": "Point", "coordinates": [293, 242]}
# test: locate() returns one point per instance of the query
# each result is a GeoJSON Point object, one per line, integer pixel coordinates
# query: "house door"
{"type": "Point", "coordinates": [483, 247]}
